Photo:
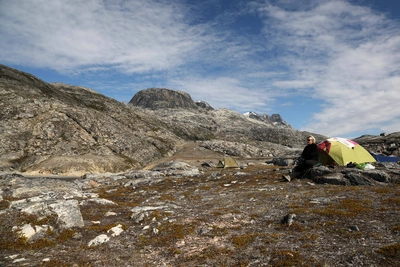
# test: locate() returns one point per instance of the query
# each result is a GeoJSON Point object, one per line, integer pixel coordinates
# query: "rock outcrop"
{"type": "Point", "coordinates": [352, 176]}
{"type": "Point", "coordinates": [386, 144]}
{"type": "Point", "coordinates": [162, 98]}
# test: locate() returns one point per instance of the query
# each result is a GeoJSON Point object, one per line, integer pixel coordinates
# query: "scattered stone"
{"type": "Point", "coordinates": [241, 173]}
{"type": "Point", "coordinates": [93, 183]}
{"type": "Point", "coordinates": [147, 208]}
{"type": "Point", "coordinates": [139, 213]}
{"type": "Point", "coordinates": [100, 201]}
{"type": "Point", "coordinates": [319, 200]}
{"type": "Point", "coordinates": [288, 219]}
{"type": "Point", "coordinates": [98, 240]}
{"type": "Point", "coordinates": [208, 164]}
{"type": "Point", "coordinates": [32, 232]}
{"type": "Point", "coordinates": [69, 214]}
{"type": "Point", "coordinates": [139, 217]}
{"type": "Point", "coordinates": [287, 177]}
{"type": "Point", "coordinates": [19, 260]}
{"type": "Point", "coordinates": [13, 256]}
{"type": "Point", "coordinates": [77, 236]}
{"type": "Point", "coordinates": [116, 230]}
{"type": "Point", "coordinates": [354, 228]}
{"type": "Point", "coordinates": [155, 231]}
{"type": "Point", "coordinates": [110, 213]}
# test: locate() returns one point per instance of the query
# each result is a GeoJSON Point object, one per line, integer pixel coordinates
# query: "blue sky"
{"type": "Point", "coordinates": [326, 66]}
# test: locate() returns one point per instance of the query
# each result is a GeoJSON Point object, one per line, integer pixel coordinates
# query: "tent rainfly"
{"type": "Point", "coordinates": [227, 163]}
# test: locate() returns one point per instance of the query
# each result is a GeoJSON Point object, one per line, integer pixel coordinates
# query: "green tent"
{"type": "Point", "coordinates": [342, 151]}
{"type": "Point", "coordinates": [227, 163]}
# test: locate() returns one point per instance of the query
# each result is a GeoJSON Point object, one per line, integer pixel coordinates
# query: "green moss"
{"type": "Point", "coordinates": [243, 241]}
{"type": "Point", "coordinates": [346, 208]}
{"type": "Point", "coordinates": [395, 201]}
{"type": "Point", "coordinates": [40, 243]}
{"type": "Point", "coordinates": [211, 252]}
{"type": "Point", "coordinates": [168, 233]}
{"type": "Point", "coordinates": [289, 258]}
{"type": "Point", "coordinates": [392, 251]}
{"type": "Point", "coordinates": [395, 228]}
{"type": "Point", "coordinates": [4, 204]}
{"type": "Point", "coordinates": [102, 228]}
{"type": "Point", "coordinates": [65, 235]}
{"type": "Point", "coordinates": [217, 231]}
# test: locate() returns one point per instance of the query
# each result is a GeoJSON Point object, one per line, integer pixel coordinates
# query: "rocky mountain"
{"type": "Point", "coordinates": [57, 128]}
{"type": "Point", "coordinates": [202, 122]}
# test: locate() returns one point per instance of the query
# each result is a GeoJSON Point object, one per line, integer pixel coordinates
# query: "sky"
{"type": "Point", "coordinates": [330, 67]}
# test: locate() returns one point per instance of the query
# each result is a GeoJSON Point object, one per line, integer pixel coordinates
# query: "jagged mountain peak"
{"type": "Point", "coordinates": [274, 119]}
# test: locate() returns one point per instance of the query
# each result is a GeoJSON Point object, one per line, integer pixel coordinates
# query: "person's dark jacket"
{"type": "Point", "coordinates": [310, 152]}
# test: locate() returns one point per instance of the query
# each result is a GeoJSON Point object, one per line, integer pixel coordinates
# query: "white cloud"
{"type": "Point", "coordinates": [349, 55]}
{"type": "Point", "coordinates": [133, 36]}
{"type": "Point", "coordinates": [224, 92]}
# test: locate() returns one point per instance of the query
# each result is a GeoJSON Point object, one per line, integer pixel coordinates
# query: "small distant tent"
{"type": "Point", "coordinates": [342, 151]}
{"type": "Point", "coordinates": [227, 163]}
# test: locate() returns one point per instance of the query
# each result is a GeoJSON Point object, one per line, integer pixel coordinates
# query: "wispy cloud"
{"type": "Point", "coordinates": [132, 36]}
{"type": "Point", "coordinates": [348, 54]}
{"type": "Point", "coordinates": [224, 92]}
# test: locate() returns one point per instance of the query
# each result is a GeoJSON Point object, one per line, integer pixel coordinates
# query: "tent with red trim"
{"type": "Point", "coordinates": [342, 151]}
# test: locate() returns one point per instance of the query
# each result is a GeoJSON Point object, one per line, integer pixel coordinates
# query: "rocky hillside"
{"type": "Point", "coordinates": [57, 128]}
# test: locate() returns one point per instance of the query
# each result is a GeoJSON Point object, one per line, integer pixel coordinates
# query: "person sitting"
{"type": "Point", "coordinates": [309, 157]}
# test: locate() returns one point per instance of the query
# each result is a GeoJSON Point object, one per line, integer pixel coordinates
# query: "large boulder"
{"type": "Point", "coordinates": [350, 176]}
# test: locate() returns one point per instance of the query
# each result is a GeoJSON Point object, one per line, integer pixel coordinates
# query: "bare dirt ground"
{"type": "Point", "coordinates": [194, 155]}
{"type": "Point", "coordinates": [191, 154]}
{"type": "Point", "coordinates": [228, 217]}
